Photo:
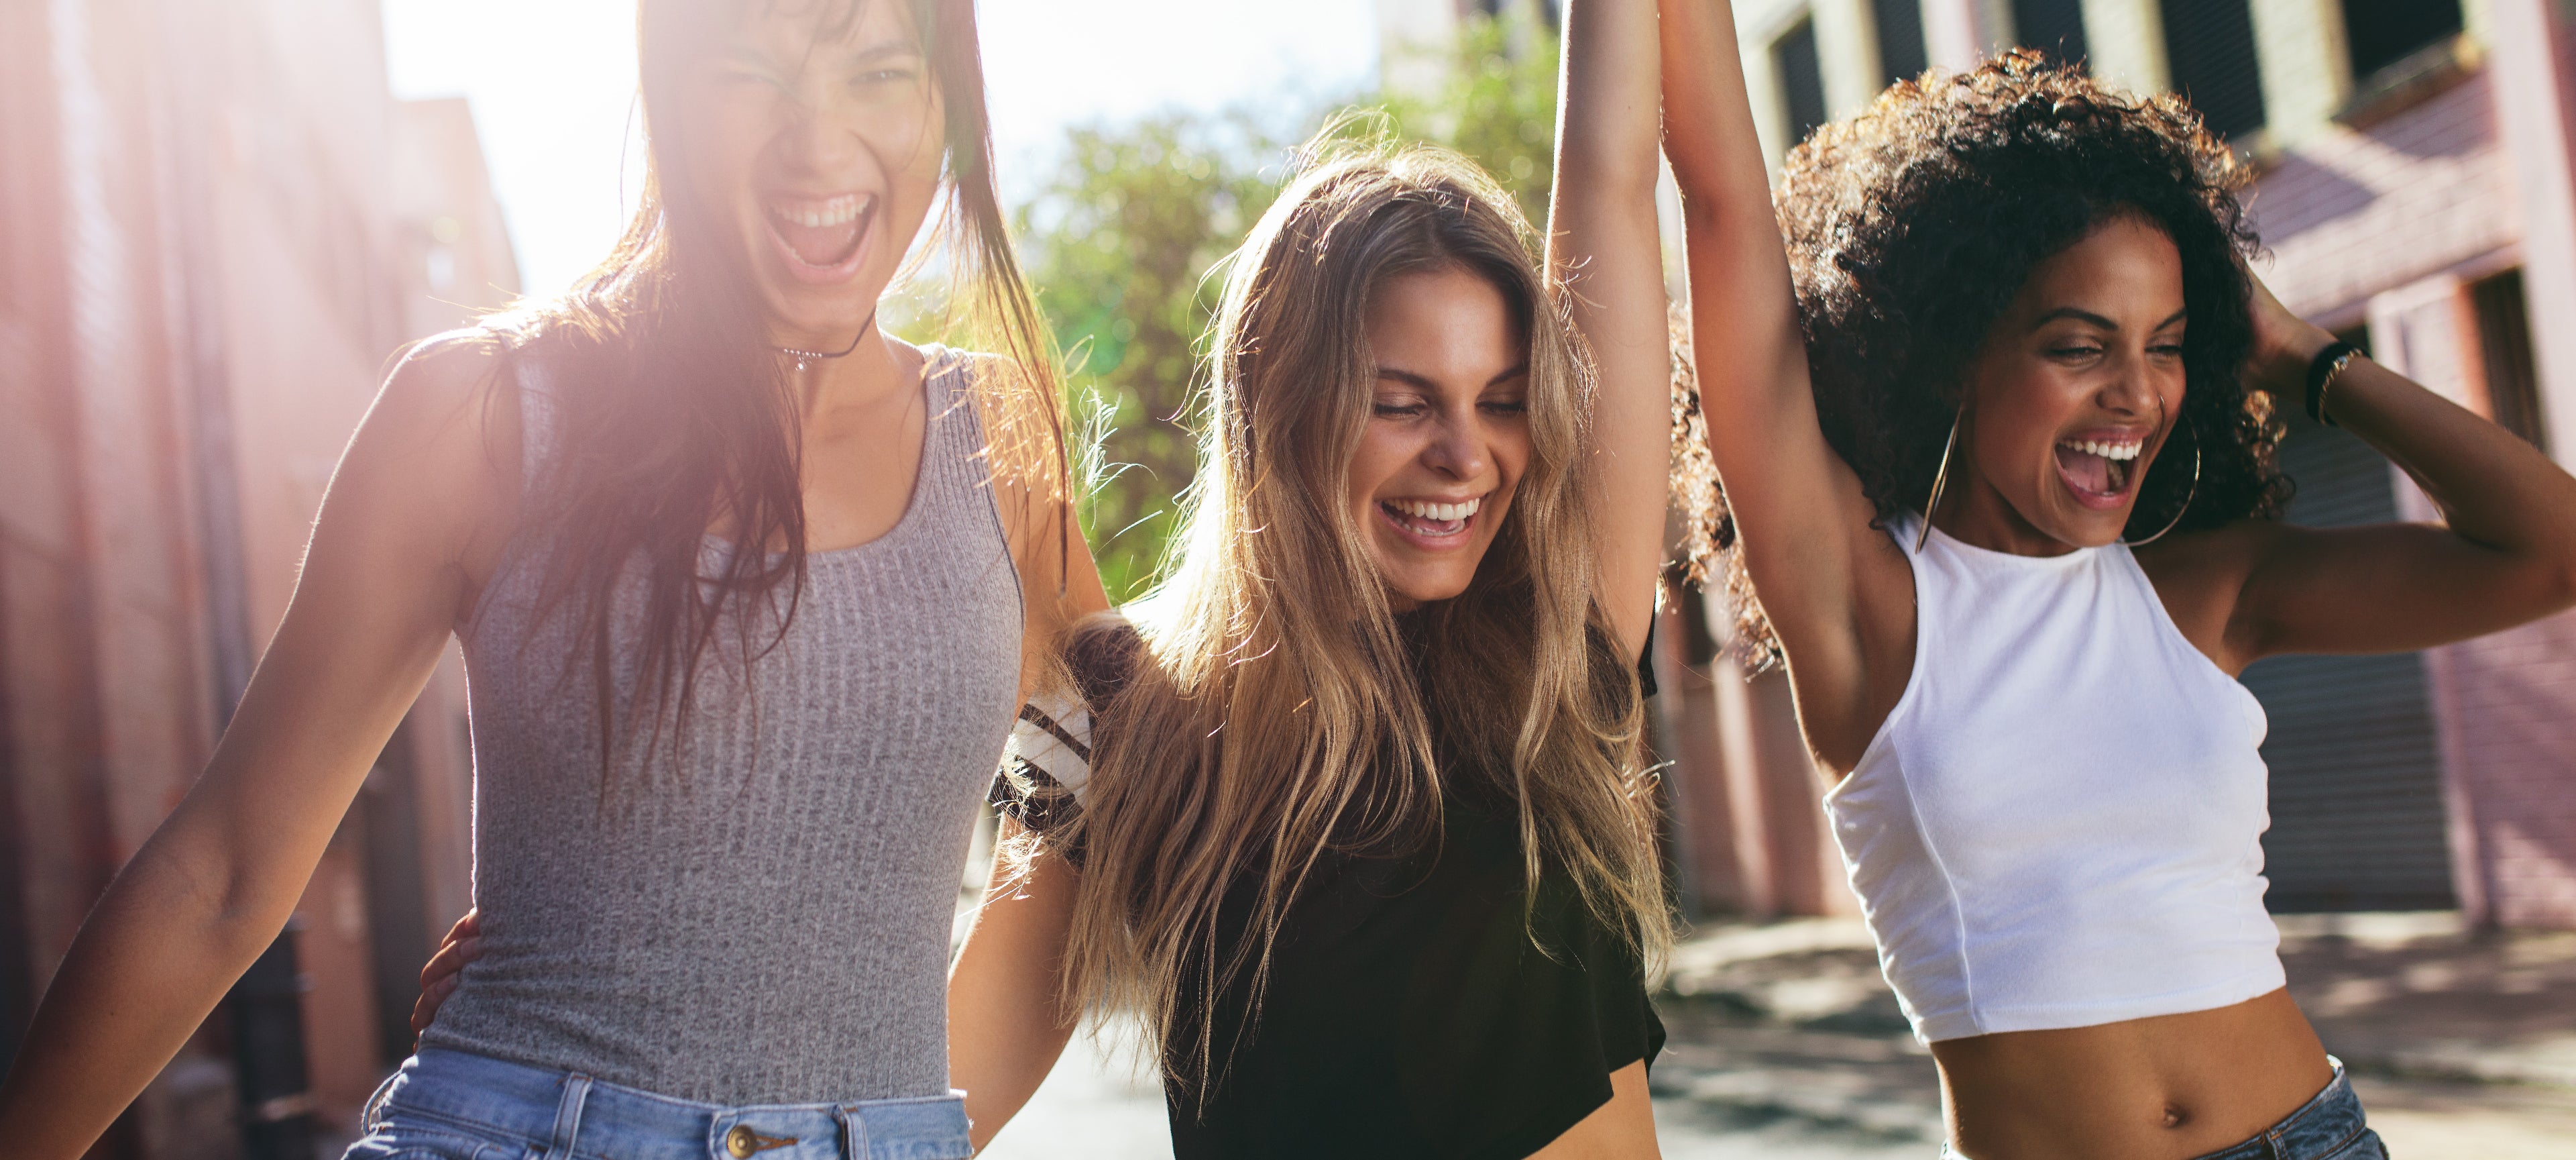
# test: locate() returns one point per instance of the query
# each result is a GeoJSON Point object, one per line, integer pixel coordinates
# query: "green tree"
{"type": "Point", "coordinates": [1125, 237]}
{"type": "Point", "coordinates": [1497, 105]}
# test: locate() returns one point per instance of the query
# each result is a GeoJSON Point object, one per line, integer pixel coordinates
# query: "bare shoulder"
{"type": "Point", "coordinates": [1026, 455]}
{"type": "Point", "coordinates": [448, 391]}
{"type": "Point", "coordinates": [2201, 577]}
{"type": "Point", "coordinates": [432, 474]}
{"type": "Point", "coordinates": [1024, 447]}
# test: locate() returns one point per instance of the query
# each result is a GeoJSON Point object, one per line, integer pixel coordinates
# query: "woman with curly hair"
{"type": "Point", "coordinates": [1996, 432]}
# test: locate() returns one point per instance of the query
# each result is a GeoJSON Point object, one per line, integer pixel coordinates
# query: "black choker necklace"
{"type": "Point", "coordinates": [805, 358]}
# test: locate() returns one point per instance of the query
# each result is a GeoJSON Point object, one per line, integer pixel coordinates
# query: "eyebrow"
{"type": "Point", "coordinates": [881, 51]}
{"type": "Point", "coordinates": [2087, 316]}
{"type": "Point", "coordinates": [753, 54]}
{"type": "Point", "coordinates": [1401, 375]}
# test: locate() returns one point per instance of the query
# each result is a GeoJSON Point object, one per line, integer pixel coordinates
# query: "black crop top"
{"type": "Point", "coordinates": [1410, 1011]}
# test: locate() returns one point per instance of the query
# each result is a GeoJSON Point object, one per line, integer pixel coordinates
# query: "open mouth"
{"type": "Point", "coordinates": [1432, 523]}
{"type": "Point", "coordinates": [820, 238]}
{"type": "Point", "coordinates": [2100, 472]}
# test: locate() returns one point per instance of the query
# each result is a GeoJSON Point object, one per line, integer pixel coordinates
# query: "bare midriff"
{"type": "Point", "coordinates": [2163, 1088]}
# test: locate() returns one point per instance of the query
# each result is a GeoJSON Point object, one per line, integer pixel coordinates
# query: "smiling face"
{"type": "Point", "coordinates": [815, 142]}
{"type": "Point", "coordinates": [1448, 431]}
{"type": "Point", "coordinates": [2072, 396]}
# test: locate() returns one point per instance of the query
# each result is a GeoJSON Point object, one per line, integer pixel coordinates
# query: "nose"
{"type": "Point", "coordinates": [814, 141]}
{"type": "Point", "coordinates": [2132, 389]}
{"type": "Point", "coordinates": [1458, 450]}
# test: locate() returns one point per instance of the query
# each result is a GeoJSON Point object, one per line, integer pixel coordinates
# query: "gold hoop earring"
{"type": "Point", "coordinates": [1941, 479]}
{"type": "Point", "coordinates": [2187, 496]}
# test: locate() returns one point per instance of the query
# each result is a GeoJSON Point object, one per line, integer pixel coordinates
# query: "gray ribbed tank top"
{"type": "Point", "coordinates": [764, 918]}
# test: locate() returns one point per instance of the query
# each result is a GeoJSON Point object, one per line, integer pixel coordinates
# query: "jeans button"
{"type": "Point", "coordinates": [741, 1142]}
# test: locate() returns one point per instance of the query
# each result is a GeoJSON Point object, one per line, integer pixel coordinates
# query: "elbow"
{"type": "Point", "coordinates": [2558, 581]}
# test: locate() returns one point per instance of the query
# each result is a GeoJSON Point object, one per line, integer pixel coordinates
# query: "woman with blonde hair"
{"type": "Point", "coordinates": [745, 587]}
{"type": "Point", "coordinates": [1349, 809]}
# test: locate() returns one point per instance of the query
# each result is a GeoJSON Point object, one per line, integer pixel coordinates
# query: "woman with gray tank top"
{"type": "Point", "coordinates": [747, 590]}
{"type": "Point", "coordinates": [1996, 428]}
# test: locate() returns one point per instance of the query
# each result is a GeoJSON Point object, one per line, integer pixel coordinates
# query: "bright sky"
{"type": "Point", "coordinates": [552, 85]}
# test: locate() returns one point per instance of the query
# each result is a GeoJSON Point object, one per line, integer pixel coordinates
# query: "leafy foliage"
{"type": "Point", "coordinates": [1125, 238]}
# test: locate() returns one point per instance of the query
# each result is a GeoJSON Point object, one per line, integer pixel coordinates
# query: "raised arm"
{"type": "Point", "coordinates": [2505, 553]}
{"type": "Point", "coordinates": [411, 514]}
{"type": "Point", "coordinates": [1839, 594]}
{"type": "Point", "coordinates": [1602, 244]}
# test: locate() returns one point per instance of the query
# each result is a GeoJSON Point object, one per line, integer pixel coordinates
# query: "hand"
{"type": "Point", "coordinates": [2284, 345]}
{"type": "Point", "coordinates": [463, 944]}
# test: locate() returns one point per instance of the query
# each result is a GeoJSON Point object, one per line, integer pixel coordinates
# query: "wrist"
{"type": "Point", "coordinates": [2282, 366]}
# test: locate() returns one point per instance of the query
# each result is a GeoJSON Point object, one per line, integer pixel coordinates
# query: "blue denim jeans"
{"type": "Point", "coordinates": [2327, 1127]}
{"type": "Point", "coordinates": [455, 1105]}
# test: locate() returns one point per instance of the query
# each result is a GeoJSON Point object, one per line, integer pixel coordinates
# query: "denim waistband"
{"type": "Point", "coordinates": [2322, 1128]}
{"type": "Point", "coordinates": [569, 1115]}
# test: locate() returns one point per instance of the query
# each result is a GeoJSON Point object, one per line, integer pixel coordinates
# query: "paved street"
{"type": "Point", "coordinates": [1787, 1046]}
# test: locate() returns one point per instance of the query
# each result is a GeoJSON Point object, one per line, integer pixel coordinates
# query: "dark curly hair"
{"type": "Point", "coordinates": [1912, 226]}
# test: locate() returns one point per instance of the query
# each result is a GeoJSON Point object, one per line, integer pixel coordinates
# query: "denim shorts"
{"type": "Point", "coordinates": [2327, 1127]}
{"type": "Point", "coordinates": [455, 1105]}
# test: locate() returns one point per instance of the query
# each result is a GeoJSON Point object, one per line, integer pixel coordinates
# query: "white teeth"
{"type": "Point", "coordinates": [838, 211]}
{"type": "Point", "coordinates": [1444, 512]}
{"type": "Point", "coordinates": [2105, 450]}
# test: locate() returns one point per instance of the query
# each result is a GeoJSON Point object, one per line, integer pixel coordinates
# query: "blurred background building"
{"type": "Point", "coordinates": [215, 225]}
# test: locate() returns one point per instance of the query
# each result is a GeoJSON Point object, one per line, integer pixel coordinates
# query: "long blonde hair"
{"type": "Point", "coordinates": [1277, 710]}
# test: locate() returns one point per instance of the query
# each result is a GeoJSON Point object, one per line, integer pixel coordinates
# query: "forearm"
{"type": "Point", "coordinates": [1607, 132]}
{"type": "Point", "coordinates": [1743, 305]}
{"type": "Point", "coordinates": [155, 957]}
{"type": "Point", "coordinates": [1006, 1019]}
{"type": "Point", "coordinates": [1709, 135]}
{"type": "Point", "coordinates": [2493, 489]}
{"type": "Point", "coordinates": [1604, 247]}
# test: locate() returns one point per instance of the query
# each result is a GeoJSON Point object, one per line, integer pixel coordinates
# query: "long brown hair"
{"type": "Point", "coordinates": [1278, 710]}
{"type": "Point", "coordinates": [672, 414]}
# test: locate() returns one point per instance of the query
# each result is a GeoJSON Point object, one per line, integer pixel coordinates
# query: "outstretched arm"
{"type": "Point", "coordinates": [1839, 594]}
{"type": "Point", "coordinates": [2504, 555]}
{"type": "Point", "coordinates": [1603, 246]}
{"type": "Point", "coordinates": [415, 502]}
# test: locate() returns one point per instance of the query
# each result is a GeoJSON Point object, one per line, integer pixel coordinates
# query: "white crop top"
{"type": "Point", "coordinates": [2060, 823]}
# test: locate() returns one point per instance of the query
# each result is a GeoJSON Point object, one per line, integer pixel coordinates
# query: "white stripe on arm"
{"type": "Point", "coordinates": [1053, 738]}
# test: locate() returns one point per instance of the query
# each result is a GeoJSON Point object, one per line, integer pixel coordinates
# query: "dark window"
{"type": "Point", "coordinates": [2055, 27]}
{"type": "Point", "coordinates": [1900, 39]}
{"type": "Point", "coordinates": [2210, 44]}
{"type": "Point", "coordinates": [1802, 79]}
{"type": "Point", "coordinates": [2504, 342]}
{"type": "Point", "coordinates": [2383, 32]}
